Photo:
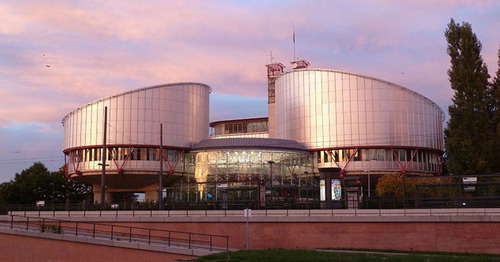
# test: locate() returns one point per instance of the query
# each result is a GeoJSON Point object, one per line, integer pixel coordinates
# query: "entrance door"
{"type": "Point", "coordinates": [352, 199]}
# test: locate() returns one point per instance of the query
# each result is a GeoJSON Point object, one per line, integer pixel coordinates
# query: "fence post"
{"type": "Point", "coordinates": [27, 222]}
{"type": "Point", "coordinates": [210, 242]}
{"type": "Point", "coordinates": [149, 236]}
{"type": "Point", "coordinates": [169, 237]}
{"type": "Point", "coordinates": [76, 229]}
{"type": "Point", "coordinates": [112, 232]}
{"type": "Point", "coordinates": [227, 243]}
{"type": "Point", "coordinates": [130, 235]}
{"type": "Point", "coordinates": [93, 231]}
{"type": "Point", "coordinates": [189, 241]}
{"type": "Point", "coordinates": [60, 225]}
{"type": "Point", "coordinates": [11, 221]}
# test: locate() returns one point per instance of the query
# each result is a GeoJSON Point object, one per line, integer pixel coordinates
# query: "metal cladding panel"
{"type": "Point", "coordinates": [240, 143]}
{"type": "Point", "coordinates": [328, 109]}
{"type": "Point", "coordinates": [134, 117]}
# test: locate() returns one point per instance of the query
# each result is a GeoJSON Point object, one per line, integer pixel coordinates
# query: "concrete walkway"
{"type": "Point", "coordinates": [101, 239]}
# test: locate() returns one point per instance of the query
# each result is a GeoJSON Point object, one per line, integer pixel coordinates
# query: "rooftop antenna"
{"type": "Point", "coordinates": [271, 56]}
{"type": "Point", "coordinates": [294, 57]}
{"type": "Point", "coordinates": [296, 63]}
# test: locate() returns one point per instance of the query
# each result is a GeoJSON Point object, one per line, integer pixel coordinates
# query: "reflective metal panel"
{"type": "Point", "coordinates": [328, 109]}
{"type": "Point", "coordinates": [134, 117]}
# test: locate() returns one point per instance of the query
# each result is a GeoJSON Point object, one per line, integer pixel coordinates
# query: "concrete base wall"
{"type": "Point", "coordinates": [447, 237]}
{"type": "Point", "coordinates": [21, 248]}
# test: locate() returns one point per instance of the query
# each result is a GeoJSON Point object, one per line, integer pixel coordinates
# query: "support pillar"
{"type": "Point", "coordinates": [97, 195]}
{"type": "Point", "coordinates": [151, 196]}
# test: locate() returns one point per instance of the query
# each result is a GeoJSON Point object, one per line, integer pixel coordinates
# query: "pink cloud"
{"type": "Point", "coordinates": [99, 50]}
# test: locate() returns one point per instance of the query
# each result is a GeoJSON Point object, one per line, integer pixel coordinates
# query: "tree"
{"type": "Point", "coordinates": [468, 137]}
{"type": "Point", "coordinates": [38, 183]}
{"type": "Point", "coordinates": [494, 110]}
{"type": "Point", "coordinates": [390, 186]}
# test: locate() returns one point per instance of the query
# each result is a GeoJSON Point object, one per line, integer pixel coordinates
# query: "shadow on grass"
{"type": "Point", "coordinates": [336, 255]}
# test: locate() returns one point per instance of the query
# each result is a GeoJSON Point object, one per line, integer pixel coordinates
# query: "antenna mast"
{"type": "Point", "coordinates": [294, 57]}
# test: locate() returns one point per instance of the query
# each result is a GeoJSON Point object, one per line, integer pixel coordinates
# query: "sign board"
{"type": "Point", "coordinates": [469, 180]}
{"type": "Point", "coordinates": [40, 203]}
{"type": "Point", "coordinates": [322, 190]}
{"type": "Point", "coordinates": [222, 186]}
{"type": "Point", "coordinates": [336, 189]}
{"type": "Point", "coordinates": [247, 212]}
{"type": "Point", "coordinates": [468, 188]}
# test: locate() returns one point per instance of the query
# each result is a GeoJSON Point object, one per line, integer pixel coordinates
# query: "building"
{"type": "Point", "coordinates": [328, 137]}
{"type": "Point", "coordinates": [133, 137]}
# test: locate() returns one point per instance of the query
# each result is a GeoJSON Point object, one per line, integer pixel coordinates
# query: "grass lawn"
{"type": "Point", "coordinates": [311, 255]}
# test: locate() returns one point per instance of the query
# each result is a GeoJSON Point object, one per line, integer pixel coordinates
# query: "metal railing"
{"type": "Point", "coordinates": [121, 233]}
{"type": "Point", "coordinates": [206, 208]}
{"type": "Point", "coordinates": [166, 214]}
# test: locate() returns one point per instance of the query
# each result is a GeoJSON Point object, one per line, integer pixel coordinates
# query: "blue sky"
{"type": "Point", "coordinates": [95, 49]}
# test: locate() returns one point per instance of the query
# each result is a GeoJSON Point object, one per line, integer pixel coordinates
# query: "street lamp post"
{"type": "Point", "coordinates": [104, 156]}
{"type": "Point", "coordinates": [369, 187]}
{"type": "Point", "coordinates": [404, 200]}
{"type": "Point", "coordinates": [271, 162]}
{"type": "Point", "coordinates": [160, 175]}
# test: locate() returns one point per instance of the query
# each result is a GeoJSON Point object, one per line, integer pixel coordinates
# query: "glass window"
{"type": "Point", "coordinates": [363, 154]}
{"type": "Point", "coordinates": [372, 154]}
{"type": "Point", "coordinates": [97, 154]}
{"type": "Point", "coordinates": [380, 154]}
{"type": "Point", "coordinates": [388, 155]}
{"type": "Point", "coordinates": [409, 154]}
{"type": "Point", "coordinates": [402, 154]}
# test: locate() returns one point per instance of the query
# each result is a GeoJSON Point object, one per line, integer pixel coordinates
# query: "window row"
{"type": "Point", "coordinates": [241, 127]}
{"type": "Point", "coordinates": [123, 153]}
{"type": "Point", "coordinates": [377, 154]}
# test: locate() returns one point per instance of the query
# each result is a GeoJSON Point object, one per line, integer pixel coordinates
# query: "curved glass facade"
{"type": "Point", "coordinates": [330, 110]}
{"type": "Point", "coordinates": [133, 129]}
{"type": "Point", "coordinates": [243, 175]}
{"type": "Point", "coordinates": [134, 117]}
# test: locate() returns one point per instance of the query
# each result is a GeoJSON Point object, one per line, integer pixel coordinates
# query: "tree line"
{"type": "Point", "coordinates": [37, 183]}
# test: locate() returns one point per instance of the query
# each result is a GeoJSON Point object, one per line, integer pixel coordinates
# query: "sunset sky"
{"type": "Point", "coordinates": [56, 56]}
